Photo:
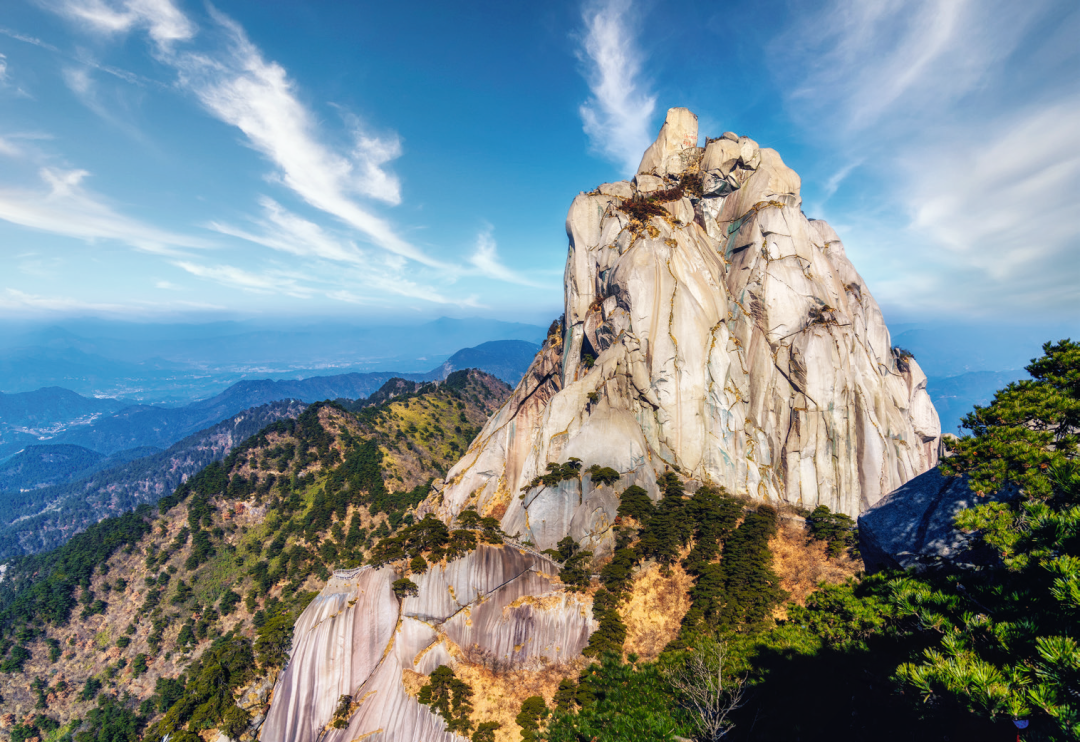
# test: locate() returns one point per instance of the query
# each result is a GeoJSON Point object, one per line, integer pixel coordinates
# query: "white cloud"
{"type": "Point", "coordinates": [241, 88]}
{"type": "Point", "coordinates": [618, 116]}
{"type": "Point", "coordinates": [283, 230]}
{"type": "Point", "coordinates": [244, 90]}
{"type": "Point", "coordinates": [1003, 203]}
{"type": "Point", "coordinates": [967, 170]}
{"type": "Point", "coordinates": [164, 22]}
{"type": "Point", "coordinates": [268, 282]}
{"type": "Point", "coordinates": [13, 299]}
{"type": "Point", "coordinates": [27, 303]}
{"type": "Point", "coordinates": [27, 39]}
{"type": "Point", "coordinates": [80, 82]}
{"type": "Point", "coordinates": [486, 261]}
{"type": "Point", "coordinates": [65, 207]}
{"type": "Point", "coordinates": [3, 69]}
{"type": "Point", "coordinates": [856, 63]}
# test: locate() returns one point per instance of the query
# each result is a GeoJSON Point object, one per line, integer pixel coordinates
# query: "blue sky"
{"type": "Point", "coordinates": [171, 158]}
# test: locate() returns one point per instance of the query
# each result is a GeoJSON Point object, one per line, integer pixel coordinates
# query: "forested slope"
{"type": "Point", "coordinates": [44, 518]}
{"type": "Point", "coordinates": [144, 617]}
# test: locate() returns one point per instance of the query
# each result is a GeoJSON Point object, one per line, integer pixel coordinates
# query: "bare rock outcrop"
{"type": "Point", "coordinates": [725, 336]}
{"type": "Point", "coordinates": [913, 527]}
{"type": "Point", "coordinates": [498, 607]}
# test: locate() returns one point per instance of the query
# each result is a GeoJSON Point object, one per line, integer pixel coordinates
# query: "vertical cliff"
{"type": "Point", "coordinates": [710, 328]}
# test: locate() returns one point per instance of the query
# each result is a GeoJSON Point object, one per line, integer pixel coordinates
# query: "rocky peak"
{"type": "Point", "coordinates": [712, 329]}
{"type": "Point", "coordinates": [676, 146]}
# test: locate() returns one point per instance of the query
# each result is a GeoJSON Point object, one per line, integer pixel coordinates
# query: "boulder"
{"type": "Point", "coordinates": [912, 527]}
{"type": "Point", "coordinates": [724, 336]}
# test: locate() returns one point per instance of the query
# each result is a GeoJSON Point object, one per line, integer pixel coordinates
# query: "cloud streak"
{"type": "Point", "coordinates": [162, 20]}
{"type": "Point", "coordinates": [22, 301]}
{"type": "Point", "coordinates": [238, 86]}
{"type": "Point", "coordinates": [65, 207]}
{"type": "Point", "coordinates": [485, 259]}
{"type": "Point", "coordinates": [617, 117]}
{"type": "Point", "coordinates": [975, 167]}
{"type": "Point", "coordinates": [267, 282]}
{"type": "Point", "coordinates": [859, 62]}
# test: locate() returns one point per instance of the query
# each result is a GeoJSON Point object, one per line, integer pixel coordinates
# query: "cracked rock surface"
{"type": "Point", "coordinates": [728, 338]}
{"type": "Point", "coordinates": [497, 606]}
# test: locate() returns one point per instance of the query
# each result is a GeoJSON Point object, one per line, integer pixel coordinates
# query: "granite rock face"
{"type": "Point", "coordinates": [912, 527]}
{"type": "Point", "coordinates": [728, 338]}
{"type": "Point", "coordinates": [497, 606]}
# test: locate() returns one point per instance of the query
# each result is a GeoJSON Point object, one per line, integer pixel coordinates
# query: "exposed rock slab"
{"type": "Point", "coordinates": [498, 606]}
{"type": "Point", "coordinates": [912, 527]}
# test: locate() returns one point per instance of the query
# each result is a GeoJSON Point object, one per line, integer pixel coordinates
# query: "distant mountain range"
{"type": "Point", "coordinates": [955, 396]}
{"type": "Point", "coordinates": [177, 364]}
{"type": "Point", "coordinates": [46, 517]}
{"type": "Point", "coordinates": [44, 465]}
{"type": "Point", "coordinates": [74, 436]}
{"type": "Point", "coordinates": [51, 404]}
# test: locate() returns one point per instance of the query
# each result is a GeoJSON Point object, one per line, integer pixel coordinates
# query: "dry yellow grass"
{"type": "Point", "coordinates": [655, 609]}
{"type": "Point", "coordinates": [801, 566]}
{"type": "Point", "coordinates": [498, 696]}
{"type": "Point", "coordinates": [413, 681]}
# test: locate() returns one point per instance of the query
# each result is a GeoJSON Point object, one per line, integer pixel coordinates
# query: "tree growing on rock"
{"type": "Point", "coordinates": [450, 697]}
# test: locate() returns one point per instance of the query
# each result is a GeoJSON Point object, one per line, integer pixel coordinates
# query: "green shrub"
{"type": "Point", "coordinates": [449, 697]}
{"type": "Point", "coordinates": [404, 588]}
{"type": "Point", "coordinates": [836, 529]}
{"type": "Point", "coordinates": [634, 503]}
{"type": "Point", "coordinates": [603, 475]}
{"type": "Point", "coordinates": [533, 714]}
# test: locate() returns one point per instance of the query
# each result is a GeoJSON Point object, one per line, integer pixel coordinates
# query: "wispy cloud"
{"type": "Point", "coordinates": [280, 229]}
{"type": "Point", "coordinates": [237, 85]}
{"type": "Point", "coordinates": [82, 84]}
{"type": "Point", "coordinates": [3, 69]}
{"type": "Point", "coordinates": [256, 96]}
{"type": "Point", "coordinates": [65, 207]}
{"type": "Point", "coordinates": [975, 166]}
{"type": "Point", "coordinates": [163, 21]}
{"type": "Point", "coordinates": [857, 62]}
{"type": "Point", "coordinates": [265, 282]}
{"type": "Point", "coordinates": [13, 299]}
{"type": "Point", "coordinates": [1003, 205]}
{"type": "Point", "coordinates": [27, 39]}
{"type": "Point", "coordinates": [28, 303]}
{"type": "Point", "coordinates": [485, 259]}
{"type": "Point", "coordinates": [618, 116]}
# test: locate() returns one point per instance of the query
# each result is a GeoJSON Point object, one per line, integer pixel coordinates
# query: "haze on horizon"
{"type": "Point", "coordinates": [167, 160]}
